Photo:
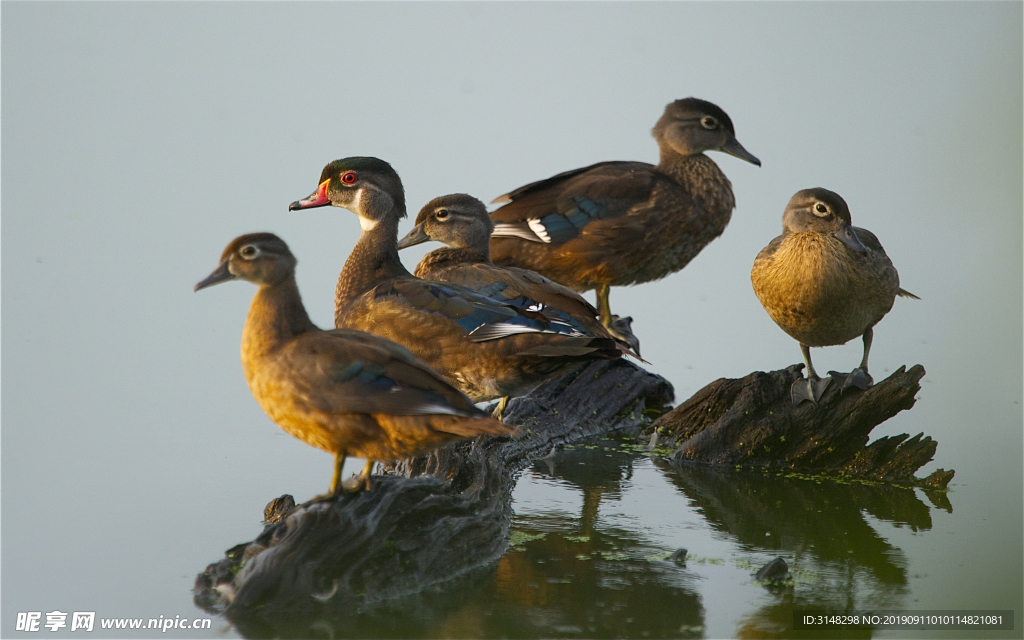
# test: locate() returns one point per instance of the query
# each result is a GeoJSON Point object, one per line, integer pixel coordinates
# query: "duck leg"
{"type": "Point", "coordinates": [499, 409]}
{"type": "Point", "coordinates": [604, 309]}
{"type": "Point", "coordinates": [812, 387]}
{"type": "Point", "coordinates": [335, 490]}
{"type": "Point", "coordinates": [360, 482]}
{"type": "Point", "coordinates": [859, 377]}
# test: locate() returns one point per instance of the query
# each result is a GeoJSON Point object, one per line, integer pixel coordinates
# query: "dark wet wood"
{"type": "Point", "coordinates": [437, 517]}
{"type": "Point", "coordinates": [753, 422]}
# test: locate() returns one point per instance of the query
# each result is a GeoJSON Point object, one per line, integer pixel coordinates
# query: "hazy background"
{"type": "Point", "coordinates": [139, 138]}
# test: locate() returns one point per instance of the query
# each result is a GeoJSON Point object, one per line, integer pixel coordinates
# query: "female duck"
{"type": "Point", "coordinates": [486, 347]}
{"type": "Point", "coordinates": [825, 282]}
{"type": "Point", "coordinates": [463, 224]}
{"type": "Point", "coordinates": [343, 391]}
{"type": "Point", "coordinates": [621, 223]}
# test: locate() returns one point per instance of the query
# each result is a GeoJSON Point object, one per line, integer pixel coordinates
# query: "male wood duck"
{"type": "Point", "coordinates": [343, 391]}
{"type": "Point", "coordinates": [463, 224]}
{"type": "Point", "coordinates": [825, 282]}
{"type": "Point", "coordinates": [486, 347]}
{"type": "Point", "coordinates": [621, 223]}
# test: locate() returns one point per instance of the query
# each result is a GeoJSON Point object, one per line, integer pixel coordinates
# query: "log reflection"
{"type": "Point", "coordinates": [838, 560]}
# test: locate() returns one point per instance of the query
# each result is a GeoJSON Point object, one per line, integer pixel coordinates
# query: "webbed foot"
{"type": "Point", "coordinates": [355, 484]}
{"type": "Point", "coordinates": [621, 329]}
{"type": "Point", "coordinates": [361, 482]}
{"type": "Point", "coordinates": [809, 389]}
{"type": "Point", "coordinates": [859, 378]}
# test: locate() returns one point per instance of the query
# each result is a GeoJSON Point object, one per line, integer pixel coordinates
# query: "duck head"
{"type": "Point", "coordinates": [822, 211]}
{"type": "Point", "coordinates": [261, 258]}
{"type": "Point", "coordinates": [368, 187]}
{"type": "Point", "coordinates": [458, 220]}
{"type": "Point", "coordinates": [691, 126]}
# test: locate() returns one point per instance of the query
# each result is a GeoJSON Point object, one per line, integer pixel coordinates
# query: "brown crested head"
{"type": "Point", "coordinates": [822, 211]}
{"type": "Point", "coordinates": [459, 220]}
{"type": "Point", "coordinates": [691, 126]}
{"type": "Point", "coordinates": [261, 258]}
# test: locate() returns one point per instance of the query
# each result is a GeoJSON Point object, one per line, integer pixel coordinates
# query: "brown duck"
{"type": "Point", "coordinates": [621, 223]}
{"type": "Point", "coordinates": [462, 223]}
{"type": "Point", "coordinates": [343, 391]}
{"type": "Point", "coordinates": [825, 282]}
{"type": "Point", "coordinates": [486, 347]}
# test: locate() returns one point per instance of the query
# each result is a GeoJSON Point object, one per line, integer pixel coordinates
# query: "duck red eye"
{"type": "Point", "coordinates": [349, 177]}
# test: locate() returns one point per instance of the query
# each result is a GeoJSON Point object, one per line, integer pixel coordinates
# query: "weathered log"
{"type": "Point", "coordinates": [752, 422]}
{"type": "Point", "coordinates": [434, 518]}
{"type": "Point", "coordinates": [441, 516]}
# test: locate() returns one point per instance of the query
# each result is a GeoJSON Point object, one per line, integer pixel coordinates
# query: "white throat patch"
{"type": "Point", "coordinates": [359, 206]}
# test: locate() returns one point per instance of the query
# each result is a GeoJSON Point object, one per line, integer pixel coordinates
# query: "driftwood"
{"type": "Point", "coordinates": [753, 422]}
{"type": "Point", "coordinates": [407, 533]}
{"type": "Point", "coordinates": [445, 515]}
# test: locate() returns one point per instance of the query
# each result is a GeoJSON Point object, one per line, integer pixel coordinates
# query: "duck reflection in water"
{"type": "Point", "coordinates": [822, 529]}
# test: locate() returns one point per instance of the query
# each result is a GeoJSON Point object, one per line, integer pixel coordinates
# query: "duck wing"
{"type": "Point", "coordinates": [347, 371]}
{"type": "Point", "coordinates": [555, 210]}
{"type": "Point", "coordinates": [483, 318]}
{"type": "Point", "coordinates": [525, 289]}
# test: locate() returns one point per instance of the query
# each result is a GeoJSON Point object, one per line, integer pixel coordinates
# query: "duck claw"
{"type": "Point", "coordinates": [355, 484]}
{"type": "Point", "coordinates": [621, 328]}
{"type": "Point", "coordinates": [809, 389]}
{"type": "Point", "coordinates": [859, 378]}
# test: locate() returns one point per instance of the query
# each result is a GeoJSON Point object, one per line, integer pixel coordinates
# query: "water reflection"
{"type": "Point", "coordinates": [571, 576]}
{"type": "Point", "coordinates": [838, 559]}
{"type": "Point", "coordinates": [575, 570]}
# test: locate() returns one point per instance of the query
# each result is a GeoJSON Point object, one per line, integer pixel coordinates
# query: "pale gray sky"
{"type": "Point", "coordinates": [139, 138]}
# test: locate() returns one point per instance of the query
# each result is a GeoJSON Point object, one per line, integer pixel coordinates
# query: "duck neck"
{"type": "Point", "coordinates": [459, 255]}
{"type": "Point", "coordinates": [702, 179]}
{"type": "Point", "coordinates": [373, 260]}
{"type": "Point", "coordinates": [276, 315]}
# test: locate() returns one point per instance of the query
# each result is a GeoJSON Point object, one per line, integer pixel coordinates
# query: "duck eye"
{"type": "Point", "coordinates": [441, 214]}
{"type": "Point", "coordinates": [708, 122]}
{"type": "Point", "coordinates": [249, 252]}
{"type": "Point", "coordinates": [349, 177]}
{"type": "Point", "coordinates": [820, 209]}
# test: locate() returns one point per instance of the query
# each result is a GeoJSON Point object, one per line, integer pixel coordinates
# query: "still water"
{"type": "Point", "coordinates": [140, 138]}
{"type": "Point", "coordinates": [591, 545]}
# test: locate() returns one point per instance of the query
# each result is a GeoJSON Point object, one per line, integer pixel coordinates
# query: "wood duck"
{"type": "Point", "coordinates": [621, 223]}
{"type": "Point", "coordinates": [463, 224]}
{"type": "Point", "coordinates": [343, 391]}
{"type": "Point", "coordinates": [825, 282]}
{"type": "Point", "coordinates": [486, 347]}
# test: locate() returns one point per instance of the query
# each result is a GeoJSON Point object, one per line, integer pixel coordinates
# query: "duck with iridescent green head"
{"type": "Point", "coordinates": [486, 347]}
